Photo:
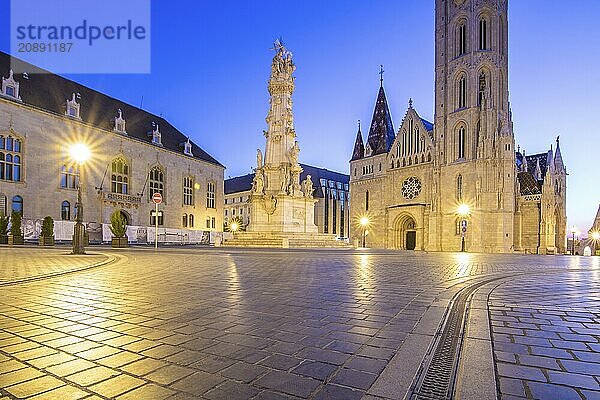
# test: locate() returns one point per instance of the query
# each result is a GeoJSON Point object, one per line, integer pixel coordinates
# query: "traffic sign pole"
{"type": "Point", "coordinates": [157, 199]}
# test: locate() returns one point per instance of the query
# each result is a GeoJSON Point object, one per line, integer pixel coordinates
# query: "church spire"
{"type": "Point", "coordinates": [381, 132]}
{"type": "Point", "coordinates": [537, 172]}
{"type": "Point", "coordinates": [558, 160]}
{"type": "Point", "coordinates": [359, 147]}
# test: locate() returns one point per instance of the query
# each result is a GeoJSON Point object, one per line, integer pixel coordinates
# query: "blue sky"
{"type": "Point", "coordinates": [211, 60]}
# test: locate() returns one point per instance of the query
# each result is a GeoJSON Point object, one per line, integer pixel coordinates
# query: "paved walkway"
{"type": "Point", "coordinates": [232, 324]}
{"type": "Point", "coordinates": [25, 262]}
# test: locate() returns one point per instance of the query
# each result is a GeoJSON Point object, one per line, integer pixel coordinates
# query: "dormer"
{"type": "Point", "coordinates": [10, 87]}
{"type": "Point", "coordinates": [120, 123]}
{"type": "Point", "coordinates": [73, 107]}
{"type": "Point", "coordinates": [187, 148]}
{"type": "Point", "coordinates": [156, 135]}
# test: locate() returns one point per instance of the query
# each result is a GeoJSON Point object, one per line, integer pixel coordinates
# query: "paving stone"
{"type": "Point", "coordinates": [581, 367]}
{"type": "Point", "coordinates": [537, 361]}
{"type": "Point", "coordinates": [34, 386]}
{"type": "Point", "coordinates": [91, 376]}
{"type": "Point", "coordinates": [550, 391]}
{"type": "Point", "coordinates": [335, 392]}
{"type": "Point", "coordinates": [144, 366]}
{"type": "Point", "coordinates": [286, 382]}
{"type": "Point", "coordinates": [70, 367]}
{"type": "Point", "coordinates": [231, 390]}
{"type": "Point", "coordinates": [169, 374]}
{"type": "Point", "coordinates": [18, 376]}
{"type": "Point", "coordinates": [520, 372]}
{"type": "Point", "coordinates": [513, 387]}
{"type": "Point", "coordinates": [148, 391]}
{"type": "Point", "coordinates": [63, 393]}
{"type": "Point", "coordinates": [115, 386]}
{"type": "Point", "coordinates": [574, 380]}
{"type": "Point", "coordinates": [244, 372]}
{"type": "Point", "coordinates": [197, 383]}
{"type": "Point", "coordinates": [355, 379]}
{"type": "Point", "coordinates": [315, 369]}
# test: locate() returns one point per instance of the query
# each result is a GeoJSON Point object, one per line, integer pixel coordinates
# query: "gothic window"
{"type": "Point", "coordinates": [153, 218]}
{"type": "Point", "coordinates": [462, 92]}
{"type": "Point", "coordinates": [461, 142]}
{"type": "Point", "coordinates": [17, 204]}
{"type": "Point", "coordinates": [156, 179]}
{"type": "Point", "coordinates": [367, 200]}
{"type": "Point", "coordinates": [210, 195]}
{"type": "Point", "coordinates": [119, 179]}
{"type": "Point", "coordinates": [213, 222]}
{"type": "Point", "coordinates": [191, 220]}
{"type": "Point", "coordinates": [188, 191]}
{"type": "Point", "coordinates": [461, 45]}
{"type": "Point", "coordinates": [65, 211]}
{"type": "Point", "coordinates": [184, 222]}
{"type": "Point", "coordinates": [10, 159]}
{"type": "Point", "coordinates": [69, 177]}
{"type": "Point", "coordinates": [483, 34]}
{"type": "Point", "coordinates": [459, 188]}
{"type": "Point", "coordinates": [502, 36]}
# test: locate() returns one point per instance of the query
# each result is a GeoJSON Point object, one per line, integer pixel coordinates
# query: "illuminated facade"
{"type": "Point", "coordinates": [133, 155]}
{"type": "Point", "coordinates": [410, 184]}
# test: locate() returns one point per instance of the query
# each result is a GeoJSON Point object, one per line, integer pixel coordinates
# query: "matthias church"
{"type": "Point", "coordinates": [459, 182]}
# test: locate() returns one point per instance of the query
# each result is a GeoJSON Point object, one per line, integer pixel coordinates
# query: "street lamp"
{"type": "Point", "coordinates": [80, 153]}
{"type": "Point", "coordinates": [463, 211]}
{"type": "Point", "coordinates": [234, 227]}
{"type": "Point", "coordinates": [573, 231]}
{"type": "Point", "coordinates": [364, 222]}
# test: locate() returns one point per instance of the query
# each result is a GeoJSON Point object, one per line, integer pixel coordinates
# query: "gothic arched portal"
{"type": "Point", "coordinates": [405, 233]}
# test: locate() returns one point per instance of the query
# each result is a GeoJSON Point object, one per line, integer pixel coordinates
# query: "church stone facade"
{"type": "Point", "coordinates": [410, 184]}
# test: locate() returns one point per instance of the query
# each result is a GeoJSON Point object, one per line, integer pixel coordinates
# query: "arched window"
{"type": "Point", "coordinates": [461, 135]}
{"type": "Point", "coordinates": [153, 218]}
{"type": "Point", "coordinates": [65, 211]}
{"type": "Point", "coordinates": [17, 204]}
{"type": "Point", "coordinates": [483, 34]}
{"type": "Point", "coordinates": [210, 195]}
{"type": "Point", "coordinates": [191, 220]}
{"type": "Point", "coordinates": [184, 221]}
{"type": "Point", "coordinates": [156, 179]}
{"type": "Point", "coordinates": [119, 176]}
{"type": "Point", "coordinates": [188, 191]}
{"type": "Point", "coordinates": [501, 37]}
{"type": "Point", "coordinates": [69, 177]}
{"type": "Point", "coordinates": [461, 95]}
{"type": "Point", "coordinates": [367, 200]}
{"type": "Point", "coordinates": [461, 36]}
{"type": "Point", "coordinates": [10, 159]}
{"type": "Point", "coordinates": [459, 187]}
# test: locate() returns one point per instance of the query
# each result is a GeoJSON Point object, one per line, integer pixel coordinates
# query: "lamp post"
{"type": "Point", "coordinates": [596, 239]}
{"type": "Point", "coordinates": [573, 231]}
{"type": "Point", "coordinates": [463, 211]}
{"type": "Point", "coordinates": [80, 153]}
{"type": "Point", "coordinates": [234, 227]}
{"type": "Point", "coordinates": [364, 222]}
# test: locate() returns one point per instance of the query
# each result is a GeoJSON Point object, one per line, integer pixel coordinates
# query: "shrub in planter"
{"type": "Point", "coordinates": [47, 235]}
{"type": "Point", "coordinates": [118, 227]}
{"type": "Point", "coordinates": [4, 220]}
{"type": "Point", "coordinates": [16, 234]}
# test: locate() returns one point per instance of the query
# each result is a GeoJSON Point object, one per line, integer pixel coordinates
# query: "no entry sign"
{"type": "Point", "coordinates": [157, 198]}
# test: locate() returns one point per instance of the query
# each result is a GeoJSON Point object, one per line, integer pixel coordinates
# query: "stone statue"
{"type": "Point", "coordinates": [258, 184]}
{"type": "Point", "coordinates": [294, 151]}
{"type": "Point", "coordinates": [259, 158]}
{"type": "Point", "coordinates": [307, 187]}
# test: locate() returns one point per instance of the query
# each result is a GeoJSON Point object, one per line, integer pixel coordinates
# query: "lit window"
{"type": "Point", "coordinates": [210, 195]}
{"type": "Point", "coordinates": [69, 177]}
{"type": "Point", "coordinates": [188, 191]}
{"type": "Point", "coordinates": [65, 211]}
{"type": "Point", "coordinates": [119, 178]}
{"type": "Point", "coordinates": [17, 204]}
{"type": "Point", "coordinates": [156, 179]}
{"type": "Point", "coordinates": [10, 159]}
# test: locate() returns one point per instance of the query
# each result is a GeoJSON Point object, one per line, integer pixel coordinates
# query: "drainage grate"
{"type": "Point", "coordinates": [436, 377]}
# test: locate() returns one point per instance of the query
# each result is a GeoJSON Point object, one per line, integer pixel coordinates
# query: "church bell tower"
{"type": "Point", "coordinates": [475, 157]}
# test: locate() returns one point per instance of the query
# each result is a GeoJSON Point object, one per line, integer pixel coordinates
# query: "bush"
{"type": "Point", "coordinates": [118, 224]}
{"type": "Point", "coordinates": [4, 220]}
{"type": "Point", "coordinates": [15, 228]}
{"type": "Point", "coordinates": [48, 227]}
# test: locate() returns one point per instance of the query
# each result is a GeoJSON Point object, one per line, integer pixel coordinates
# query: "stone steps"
{"type": "Point", "coordinates": [285, 240]}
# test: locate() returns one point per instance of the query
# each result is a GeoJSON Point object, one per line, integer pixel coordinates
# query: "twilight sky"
{"type": "Point", "coordinates": [211, 62]}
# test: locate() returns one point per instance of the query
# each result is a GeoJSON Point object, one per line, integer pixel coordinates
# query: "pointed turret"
{"type": "Point", "coordinates": [381, 132]}
{"type": "Point", "coordinates": [550, 161]}
{"type": "Point", "coordinates": [359, 147]}
{"type": "Point", "coordinates": [525, 166]}
{"type": "Point", "coordinates": [558, 160]}
{"type": "Point", "coordinates": [537, 172]}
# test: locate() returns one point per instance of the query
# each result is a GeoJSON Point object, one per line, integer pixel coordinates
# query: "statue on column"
{"type": "Point", "coordinates": [259, 158]}
{"type": "Point", "coordinates": [294, 151]}
{"type": "Point", "coordinates": [258, 183]}
{"type": "Point", "coordinates": [307, 187]}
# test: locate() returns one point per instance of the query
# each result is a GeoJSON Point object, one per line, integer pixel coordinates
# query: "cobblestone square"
{"type": "Point", "coordinates": [274, 324]}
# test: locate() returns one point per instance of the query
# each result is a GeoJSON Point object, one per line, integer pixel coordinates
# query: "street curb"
{"type": "Point", "coordinates": [110, 259]}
